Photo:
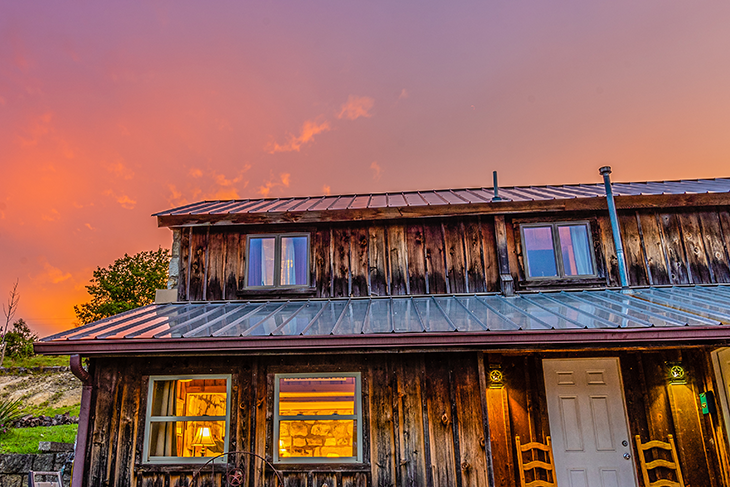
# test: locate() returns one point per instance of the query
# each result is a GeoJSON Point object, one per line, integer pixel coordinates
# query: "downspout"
{"type": "Point", "coordinates": [623, 277]}
{"type": "Point", "coordinates": [79, 464]}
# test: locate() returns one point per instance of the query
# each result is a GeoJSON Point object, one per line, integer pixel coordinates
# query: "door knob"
{"type": "Point", "coordinates": [627, 456]}
{"type": "Point", "coordinates": [625, 443]}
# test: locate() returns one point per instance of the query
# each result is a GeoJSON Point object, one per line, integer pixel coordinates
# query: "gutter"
{"type": "Point", "coordinates": [79, 463]}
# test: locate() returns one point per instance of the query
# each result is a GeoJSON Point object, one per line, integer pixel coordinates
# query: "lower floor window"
{"type": "Point", "coordinates": [187, 418]}
{"type": "Point", "coordinates": [318, 418]}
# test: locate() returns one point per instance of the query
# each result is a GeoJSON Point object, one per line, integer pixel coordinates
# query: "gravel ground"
{"type": "Point", "coordinates": [57, 389]}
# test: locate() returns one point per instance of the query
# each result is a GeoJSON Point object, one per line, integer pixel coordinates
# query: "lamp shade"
{"type": "Point", "coordinates": [203, 437]}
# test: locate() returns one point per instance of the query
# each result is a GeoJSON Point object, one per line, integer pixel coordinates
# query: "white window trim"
{"type": "Point", "coordinates": [556, 250]}
{"type": "Point", "coordinates": [277, 258]}
{"type": "Point", "coordinates": [162, 419]}
{"type": "Point", "coordinates": [357, 417]}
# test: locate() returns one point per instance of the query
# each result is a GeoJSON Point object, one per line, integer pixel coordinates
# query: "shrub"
{"type": "Point", "coordinates": [19, 342]}
{"type": "Point", "coordinates": [9, 412]}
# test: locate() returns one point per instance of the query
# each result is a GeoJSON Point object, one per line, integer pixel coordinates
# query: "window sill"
{"type": "Point", "coordinates": [540, 284]}
{"type": "Point", "coordinates": [276, 292]}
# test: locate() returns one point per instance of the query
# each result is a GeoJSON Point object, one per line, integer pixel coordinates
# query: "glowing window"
{"type": "Point", "coordinates": [278, 260]}
{"type": "Point", "coordinates": [187, 418]}
{"type": "Point", "coordinates": [558, 250]}
{"type": "Point", "coordinates": [318, 418]}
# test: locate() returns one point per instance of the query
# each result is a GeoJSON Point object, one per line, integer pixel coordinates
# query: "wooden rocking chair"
{"type": "Point", "coordinates": [659, 463]}
{"type": "Point", "coordinates": [549, 468]}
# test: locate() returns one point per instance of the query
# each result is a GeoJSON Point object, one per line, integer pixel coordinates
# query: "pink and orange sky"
{"type": "Point", "coordinates": [111, 111]}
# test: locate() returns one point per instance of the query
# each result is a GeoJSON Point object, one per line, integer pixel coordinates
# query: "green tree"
{"type": "Point", "coordinates": [19, 342]}
{"type": "Point", "coordinates": [128, 283]}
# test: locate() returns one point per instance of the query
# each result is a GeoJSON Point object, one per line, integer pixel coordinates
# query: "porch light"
{"type": "Point", "coordinates": [676, 373]}
{"type": "Point", "coordinates": [496, 378]}
{"type": "Point", "coordinates": [203, 439]}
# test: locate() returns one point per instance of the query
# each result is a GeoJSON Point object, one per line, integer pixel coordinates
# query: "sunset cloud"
{"type": "Point", "coordinates": [356, 107]}
{"type": "Point", "coordinates": [403, 94]}
{"type": "Point", "coordinates": [126, 202]}
{"type": "Point", "coordinates": [283, 181]}
{"type": "Point", "coordinates": [51, 274]}
{"type": "Point", "coordinates": [376, 170]}
{"type": "Point", "coordinates": [196, 173]}
{"type": "Point", "coordinates": [120, 170]}
{"type": "Point", "coordinates": [326, 190]}
{"type": "Point", "coordinates": [309, 130]}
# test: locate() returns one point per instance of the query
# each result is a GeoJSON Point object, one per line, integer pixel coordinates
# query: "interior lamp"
{"type": "Point", "coordinates": [676, 373]}
{"type": "Point", "coordinates": [203, 439]}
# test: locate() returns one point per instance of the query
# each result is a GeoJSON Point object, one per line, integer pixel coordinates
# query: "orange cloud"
{"type": "Point", "coordinates": [196, 173]}
{"type": "Point", "coordinates": [51, 274]}
{"type": "Point", "coordinates": [120, 170]}
{"type": "Point", "coordinates": [356, 107]}
{"type": "Point", "coordinates": [326, 190]}
{"type": "Point", "coordinates": [124, 200]}
{"type": "Point", "coordinates": [284, 179]}
{"type": "Point", "coordinates": [403, 94]}
{"type": "Point", "coordinates": [309, 130]}
{"type": "Point", "coordinates": [376, 170]}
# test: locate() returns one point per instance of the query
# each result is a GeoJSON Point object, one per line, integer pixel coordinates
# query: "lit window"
{"type": "Point", "coordinates": [187, 418]}
{"type": "Point", "coordinates": [318, 418]}
{"type": "Point", "coordinates": [558, 250]}
{"type": "Point", "coordinates": [278, 260]}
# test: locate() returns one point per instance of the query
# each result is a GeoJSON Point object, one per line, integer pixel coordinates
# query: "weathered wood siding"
{"type": "Point", "coordinates": [357, 259]}
{"type": "Point", "coordinates": [422, 416]}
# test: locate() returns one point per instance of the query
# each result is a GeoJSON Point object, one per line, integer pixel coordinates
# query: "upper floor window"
{"type": "Point", "coordinates": [278, 260]}
{"type": "Point", "coordinates": [187, 418]}
{"type": "Point", "coordinates": [556, 250]}
{"type": "Point", "coordinates": [317, 418]}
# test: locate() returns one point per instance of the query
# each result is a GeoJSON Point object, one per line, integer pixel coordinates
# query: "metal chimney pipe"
{"type": "Point", "coordinates": [606, 173]}
{"type": "Point", "coordinates": [496, 187]}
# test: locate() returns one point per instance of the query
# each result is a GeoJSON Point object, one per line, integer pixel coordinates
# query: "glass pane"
{"type": "Point", "coordinates": [193, 397]}
{"type": "Point", "coordinates": [294, 261]}
{"type": "Point", "coordinates": [187, 438]}
{"type": "Point", "coordinates": [316, 396]}
{"type": "Point", "coordinates": [261, 261]}
{"type": "Point", "coordinates": [540, 252]}
{"type": "Point", "coordinates": [575, 247]}
{"type": "Point", "coordinates": [325, 438]}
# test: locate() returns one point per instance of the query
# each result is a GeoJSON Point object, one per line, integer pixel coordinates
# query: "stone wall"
{"type": "Point", "coordinates": [14, 468]}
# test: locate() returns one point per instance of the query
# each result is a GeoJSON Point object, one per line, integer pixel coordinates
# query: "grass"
{"type": "Point", "coordinates": [25, 440]}
{"type": "Point", "coordinates": [37, 361]}
{"type": "Point", "coordinates": [45, 410]}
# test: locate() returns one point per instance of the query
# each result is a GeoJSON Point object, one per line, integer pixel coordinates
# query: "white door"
{"type": "Point", "coordinates": [590, 436]}
{"type": "Point", "coordinates": [721, 359]}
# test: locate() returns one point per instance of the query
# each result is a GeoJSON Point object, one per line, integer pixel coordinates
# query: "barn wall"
{"type": "Point", "coordinates": [353, 259]}
{"type": "Point", "coordinates": [423, 418]}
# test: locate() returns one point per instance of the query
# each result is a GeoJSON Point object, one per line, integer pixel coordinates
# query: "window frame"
{"type": "Point", "coordinates": [560, 267]}
{"type": "Point", "coordinates": [357, 417]}
{"type": "Point", "coordinates": [277, 259]}
{"type": "Point", "coordinates": [167, 419]}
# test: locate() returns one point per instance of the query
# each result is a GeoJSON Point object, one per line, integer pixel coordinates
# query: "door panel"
{"type": "Point", "coordinates": [588, 422]}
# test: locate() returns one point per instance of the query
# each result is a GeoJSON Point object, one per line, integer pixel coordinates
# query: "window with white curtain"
{"type": "Point", "coordinates": [280, 260]}
{"type": "Point", "coordinates": [558, 250]}
{"type": "Point", "coordinates": [188, 418]}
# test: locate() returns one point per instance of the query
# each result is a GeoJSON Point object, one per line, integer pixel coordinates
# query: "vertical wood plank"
{"type": "Point", "coordinates": [634, 253]}
{"type": "Point", "coordinates": [416, 258]}
{"type": "Point", "coordinates": [381, 426]}
{"type": "Point", "coordinates": [455, 267]}
{"type": "Point", "coordinates": [715, 246]}
{"type": "Point", "coordinates": [500, 437]}
{"type": "Point", "coordinates": [216, 266]}
{"type": "Point", "coordinates": [376, 260]}
{"type": "Point", "coordinates": [694, 247]}
{"type": "Point", "coordinates": [474, 256]}
{"type": "Point", "coordinates": [198, 245]}
{"type": "Point", "coordinates": [106, 383]}
{"type": "Point", "coordinates": [653, 247]}
{"type": "Point", "coordinates": [129, 414]}
{"type": "Point", "coordinates": [435, 259]}
{"type": "Point", "coordinates": [321, 264]}
{"type": "Point", "coordinates": [359, 260]}
{"type": "Point", "coordinates": [341, 261]}
{"type": "Point", "coordinates": [468, 405]}
{"type": "Point", "coordinates": [235, 264]}
{"type": "Point", "coordinates": [489, 247]}
{"type": "Point", "coordinates": [674, 248]}
{"type": "Point", "coordinates": [184, 274]}
{"type": "Point", "coordinates": [443, 463]}
{"type": "Point", "coordinates": [398, 260]}
{"type": "Point", "coordinates": [609, 251]}
{"type": "Point", "coordinates": [413, 470]}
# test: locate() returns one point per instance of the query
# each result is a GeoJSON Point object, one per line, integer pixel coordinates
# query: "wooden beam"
{"type": "Point", "coordinates": [505, 276]}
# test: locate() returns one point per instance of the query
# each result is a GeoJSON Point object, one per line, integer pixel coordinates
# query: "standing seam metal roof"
{"type": "Point", "coordinates": [447, 197]}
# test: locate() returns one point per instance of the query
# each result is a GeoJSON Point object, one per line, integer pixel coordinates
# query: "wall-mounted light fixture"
{"type": "Point", "coordinates": [496, 378]}
{"type": "Point", "coordinates": [676, 373]}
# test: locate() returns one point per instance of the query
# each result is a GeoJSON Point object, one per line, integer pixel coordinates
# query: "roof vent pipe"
{"type": "Point", "coordinates": [496, 187]}
{"type": "Point", "coordinates": [606, 172]}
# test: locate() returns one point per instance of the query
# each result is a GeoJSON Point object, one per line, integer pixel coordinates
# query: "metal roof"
{"type": "Point", "coordinates": [445, 197]}
{"type": "Point", "coordinates": [699, 312]}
